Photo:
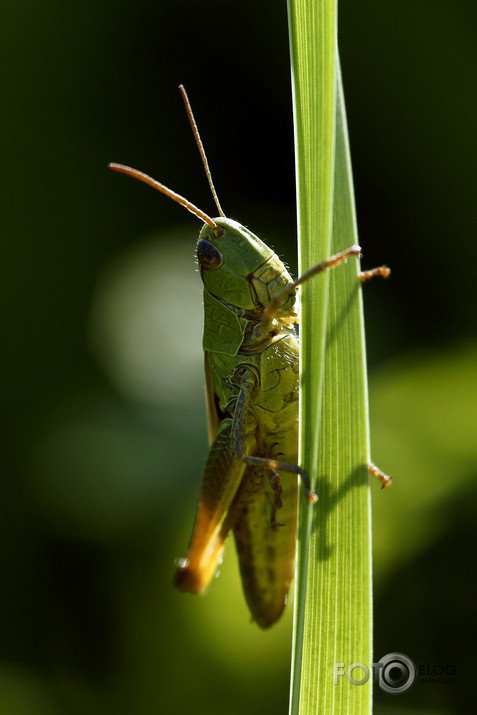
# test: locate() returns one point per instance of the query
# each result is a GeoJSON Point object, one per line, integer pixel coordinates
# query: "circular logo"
{"type": "Point", "coordinates": [397, 673]}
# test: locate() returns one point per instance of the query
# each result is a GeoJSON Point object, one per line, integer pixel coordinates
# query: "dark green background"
{"type": "Point", "coordinates": [99, 480]}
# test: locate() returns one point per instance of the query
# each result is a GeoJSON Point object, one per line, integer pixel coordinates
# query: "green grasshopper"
{"type": "Point", "coordinates": [252, 383]}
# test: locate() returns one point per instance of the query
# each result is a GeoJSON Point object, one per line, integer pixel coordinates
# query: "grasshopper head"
{"type": "Point", "coordinates": [236, 266]}
{"type": "Point", "coordinates": [240, 269]}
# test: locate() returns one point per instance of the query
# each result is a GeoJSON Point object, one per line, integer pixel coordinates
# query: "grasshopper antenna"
{"type": "Point", "coordinates": [136, 174]}
{"type": "Point", "coordinates": [200, 146]}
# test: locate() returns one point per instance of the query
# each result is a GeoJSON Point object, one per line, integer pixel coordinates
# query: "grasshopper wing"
{"type": "Point", "coordinates": [213, 417]}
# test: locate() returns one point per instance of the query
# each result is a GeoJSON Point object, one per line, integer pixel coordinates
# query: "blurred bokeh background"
{"type": "Point", "coordinates": [102, 421]}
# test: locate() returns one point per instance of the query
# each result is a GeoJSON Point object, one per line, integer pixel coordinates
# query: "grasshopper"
{"type": "Point", "coordinates": [250, 483]}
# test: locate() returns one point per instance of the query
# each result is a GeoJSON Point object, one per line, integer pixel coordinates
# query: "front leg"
{"type": "Point", "coordinates": [383, 478]}
{"type": "Point", "coordinates": [382, 271]}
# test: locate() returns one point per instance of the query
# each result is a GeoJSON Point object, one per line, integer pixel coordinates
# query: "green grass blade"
{"type": "Point", "coordinates": [333, 588]}
{"type": "Point", "coordinates": [312, 31]}
{"type": "Point", "coordinates": [338, 625]}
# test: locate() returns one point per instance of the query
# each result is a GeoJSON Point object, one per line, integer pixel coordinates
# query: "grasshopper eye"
{"type": "Point", "coordinates": [209, 256]}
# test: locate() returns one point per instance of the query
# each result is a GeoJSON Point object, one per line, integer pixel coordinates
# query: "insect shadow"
{"type": "Point", "coordinates": [333, 330]}
{"type": "Point", "coordinates": [329, 500]}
